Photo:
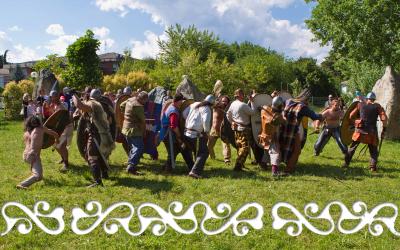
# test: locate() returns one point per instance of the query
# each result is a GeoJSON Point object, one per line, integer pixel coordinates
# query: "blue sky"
{"type": "Point", "coordinates": [33, 29]}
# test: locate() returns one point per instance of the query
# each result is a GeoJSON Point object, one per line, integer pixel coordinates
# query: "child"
{"type": "Point", "coordinates": [33, 138]}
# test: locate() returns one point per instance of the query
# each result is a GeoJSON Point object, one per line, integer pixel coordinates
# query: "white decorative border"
{"type": "Point", "coordinates": [82, 219]}
{"type": "Point", "coordinates": [159, 224]}
{"type": "Point", "coordinates": [361, 215]}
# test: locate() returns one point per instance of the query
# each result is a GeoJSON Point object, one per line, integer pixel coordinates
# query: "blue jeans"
{"type": "Point", "coordinates": [324, 137]}
{"type": "Point", "coordinates": [137, 148]}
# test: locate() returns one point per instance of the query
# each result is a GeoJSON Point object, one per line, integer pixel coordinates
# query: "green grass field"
{"type": "Point", "coordinates": [317, 179]}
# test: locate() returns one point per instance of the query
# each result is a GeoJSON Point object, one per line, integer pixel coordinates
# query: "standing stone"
{"type": "Point", "coordinates": [387, 90]}
{"type": "Point", "coordinates": [189, 90]}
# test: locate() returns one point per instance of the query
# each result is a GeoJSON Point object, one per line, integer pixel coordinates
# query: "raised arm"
{"type": "Point", "coordinates": [80, 105]}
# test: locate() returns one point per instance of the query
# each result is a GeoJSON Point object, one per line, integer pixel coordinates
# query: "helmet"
{"type": "Point", "coordinates": [95, 94]}
{"type": "Point", "coordinates": [127, 90]}
{"type": "Point", "coordinates": [53, 93]}
{"type": "Point", "coordinates": [277, 102]}
{"type": "Point", "coordinates": [371, 95]}
{"type": "Point", "coordinates": [210, 99]}
{"type": "Point", "coordinates": [143, 96]}
{"type": "Point", "coordinates": [66, 90]}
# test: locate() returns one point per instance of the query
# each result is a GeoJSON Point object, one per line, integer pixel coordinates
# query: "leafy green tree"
{"type": "Point", "coordinates": [3, 59]}
{"type": "Point", "coordinates": [187, 39]}
{"type": "Point", "coordinates": [312, 76]}
{"type": "Point", "coordinates": [52, 62]}
{"type": "Point", "coordinates": [18, 75]}
{"type": "Point", "coordinates": [83, 63]}
{"type": "Point", "coordinates": [367, 30]}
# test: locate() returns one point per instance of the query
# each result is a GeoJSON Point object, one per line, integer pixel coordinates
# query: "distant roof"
{"type": "Point", "coordinates": [112, 56]}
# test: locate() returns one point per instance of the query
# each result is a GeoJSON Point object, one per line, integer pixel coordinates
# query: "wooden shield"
{"type": "Point", "coordinates": [119, 115]}
{"type": "Point", "coordinates": [259, 100]}
{"type": "Point", "coordinates": [108, 107]}
{"type": "Point", "coordinates": [57, 122]}
{"type": "Point", "coordinates": [347, 126]}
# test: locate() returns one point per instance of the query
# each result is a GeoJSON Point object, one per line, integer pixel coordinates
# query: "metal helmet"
{"type": "Point", "coordinates": [210, 99]}
{"type": "Point", "coordinates": [53, 93]}
{"type": "Point", "coordinates": [127, 90]}
{"type": "Point", "coordinates": [371, 95]}
{"type": "Point", "coordinates": [95, 94]}
{"type": "Point", "coordinates": [66, 90]}
{"type": "Point", "coordinates": [277, 102]}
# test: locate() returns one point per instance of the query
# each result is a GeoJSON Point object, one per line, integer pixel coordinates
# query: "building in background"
{"type": "Point", "coordinates": [109, 64]}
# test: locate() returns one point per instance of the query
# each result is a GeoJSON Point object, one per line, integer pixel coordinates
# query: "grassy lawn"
{"type": "Point", "coordinates": [317, 179]}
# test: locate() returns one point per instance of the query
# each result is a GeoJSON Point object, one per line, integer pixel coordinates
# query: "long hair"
{"type": "Point", "coordinates": [32, 123]}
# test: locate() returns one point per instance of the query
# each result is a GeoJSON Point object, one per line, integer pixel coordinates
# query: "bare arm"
{"type": "Point", "coordinates": [80, 105]}
{"type": "Point", "coordinates": [51, 133]}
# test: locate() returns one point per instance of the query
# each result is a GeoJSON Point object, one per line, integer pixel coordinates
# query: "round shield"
{"type": "Point", "coordinates": [259, 100]}
{"type": "Point", "coordinates": [57, 122]}
{"type": "Point", "coordinates": [347, 126]}
{"type": "Point", "coordinates": [227, 134]}
{"type": "Point", "coordinates": [108, 107]}
{"type": "Point", "coordinates": [285, 95]}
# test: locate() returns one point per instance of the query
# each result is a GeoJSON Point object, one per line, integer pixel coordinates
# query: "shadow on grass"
{"type": "Point", "coordinates": [155, 186]}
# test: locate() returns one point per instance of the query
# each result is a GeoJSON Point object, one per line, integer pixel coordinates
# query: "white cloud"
{"type": "Point", "coordinates": [55, 29]}
{"type": "Point", "coordinates": [101, 32]}
{"type": "Point", "coordinates": [106, 43]}
{"type": "Point", "coordinates": [15, 28]}
{"type": "Point", "coordinates": [60, 44]}
{"type": "Point", "coordinates": [147, 48]}
{"type": "Point", "coordinates": [232, 20]}
{"type": "Point", "coordinates": [20, 53]}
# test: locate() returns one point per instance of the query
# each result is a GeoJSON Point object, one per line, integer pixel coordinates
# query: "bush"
{"type": "Point", "coordinates": [133, 79]}
{"type": "Point", "coordinates": [26, 86]}
{"type": "Point", "coordinates": [12, 101]}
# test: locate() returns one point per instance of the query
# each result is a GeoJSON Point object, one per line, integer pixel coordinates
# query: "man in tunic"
{"type": "Point", "coordinates": [218, 116]}
{"type": "Point", "coordinates": [366, 129]}
{"type": "Point", "coordinates": [197, 128]}
{"type": "Point", "coordinates": [291, 135]}
{"type": "Point", "coordinates": [134, 128]}
{"type": "Point", "coordinates": [99, 143]}
{"type": "Point", "coordinates": [238, 115]}
{"type": "Point", "coordinates": [171, 135]}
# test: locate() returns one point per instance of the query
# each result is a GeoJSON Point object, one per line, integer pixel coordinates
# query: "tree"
{"type": "Point", "coordinates": [18, 75]}
{"type": "Point", "coordinates": [181, 39]}
{"type": "Point", "coordinates": [83, 63]}
{"type": "Point", "coordinates": [3, 59]}
{"type": "Point", "coordinates": [52, 62]}
{"type": "Point", "coordinates": [367, 30]}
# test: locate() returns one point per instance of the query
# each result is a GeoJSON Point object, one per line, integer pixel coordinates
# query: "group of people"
{"type": "Point", "coordinates": [193, 131]}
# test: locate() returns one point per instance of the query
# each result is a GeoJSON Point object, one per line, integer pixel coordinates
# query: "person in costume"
{"type": "Point", "coordinates": [218, 116]}
{"type": "Point", "coordinates": [66, 137]}
{"type": "Point", "coordinates": [238, 115]}
{"type": "Point", "coordinates": [171, 136]}
{"type": "Point", "coordinates": [33, 138]}
{"type": "Point", "coordinates": [99, 143]}
{"type": "Point", "coordinates": [291, 134]}
{"type": "Point", "coordinates": [271, 121]}
{"type": "Point", "coordinates": [134, 129]}
{"type": "Point", "coordinates": [332, 117]}
{"type": "Point", "coordinates": [366, 131]}
{"type": "Point", "coordinates": [197, 128]}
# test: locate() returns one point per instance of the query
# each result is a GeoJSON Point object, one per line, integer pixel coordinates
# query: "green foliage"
{"type": "Point", "coordinates": [12, 101]}
{"type": "Point", "coordinates": [83, 63]}
{"type": "Point", "coordinates": [3, 59]}
{"type": "Point", "coordinates": [52, 62]}
{"type": "Point", "coordinates": [134, 79]}
{"type": "Point", "coordinates": [129, 64]}
{"type": "Point", "coordinates": [366, 30]}
{"type": "Point", "coordinates": [188, 39]}
{"type": "Point", "coordinates": [312, 76]}
{"type": "Point", "coordinates": [18, 75]}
